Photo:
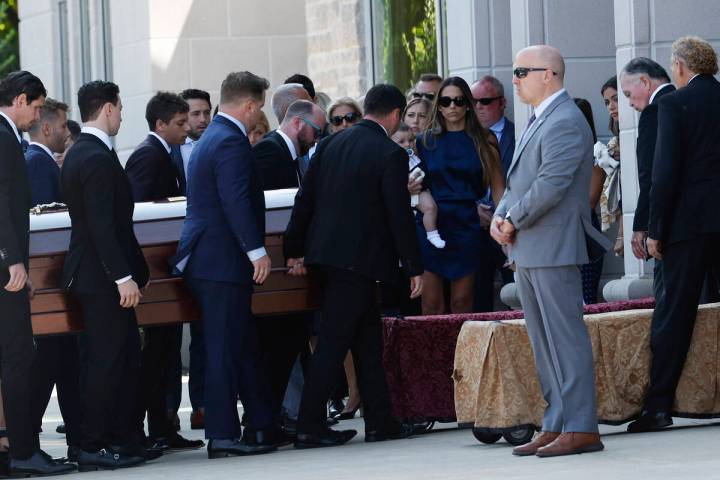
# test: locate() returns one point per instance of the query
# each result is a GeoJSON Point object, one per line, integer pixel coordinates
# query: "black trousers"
{"type": "Point", "coordinates": [282, 339]}
{"type": "Point", "coordinates": [160, 347]}
{"type": "Point", "coordinates": [16, 357]}
{"type": "Point", "coordinates": [684, 268]}
{"type": "Point", "coordinates": [351, 321]}
{"type": "Point", "coordinates": [57, 363]}
{"type": "Point", "coordinates": [113, 364]}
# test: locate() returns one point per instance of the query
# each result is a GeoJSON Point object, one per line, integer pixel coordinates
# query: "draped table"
{"type": "Point", "coordinates": [497, 388]}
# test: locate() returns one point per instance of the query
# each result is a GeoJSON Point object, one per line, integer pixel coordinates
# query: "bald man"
{"type": "Point", "coordinates": [544, 219]}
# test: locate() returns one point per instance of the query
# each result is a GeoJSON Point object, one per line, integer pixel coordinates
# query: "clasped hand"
{"type": "Point", "coordinates": [502, 231]}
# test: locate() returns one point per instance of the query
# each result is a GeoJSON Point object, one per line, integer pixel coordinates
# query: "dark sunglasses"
{"type": "Point", "coordinates": [486, 100]}
{"type": "Point", "coordinates": [316, 130]}
{"type": "Point", "coordinates": [429, 96]}
{"type": "Point", "coordinates": [458, 101]}
{"type": "Point", "coordinates": [351, 117]}
{"type": "Point", "coordinates": [522, 72]}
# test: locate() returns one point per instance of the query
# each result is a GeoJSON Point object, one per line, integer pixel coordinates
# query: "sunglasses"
{"type": "Point", "coordinates": [458, 101]}
{"type": "Point", "coordinates": [486, 100]}
{"type": "Point", "coordinates": [351, 117]}
{"type": "Point", "coordinates": [522, 72]}
{"type": "Point", "coordinates": [429, 96]}
{"type": "Point", "coordinates": [317, 130]}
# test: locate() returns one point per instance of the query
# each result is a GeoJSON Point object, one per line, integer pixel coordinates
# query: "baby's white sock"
{"type": "Point", "coordinates": [434, 238]}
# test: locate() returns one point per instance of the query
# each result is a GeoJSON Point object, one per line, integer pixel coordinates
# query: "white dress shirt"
{"type": "Point", "coordinates": [162, 140]}
{"type": "Point", "coordinates": [652, 97]}
{"type": "Point", "coordinates": [185, 152]}
{"type": "Point", "coordinates": [46, 149]}
{"type": "Point", "coordinates": [289, 143]}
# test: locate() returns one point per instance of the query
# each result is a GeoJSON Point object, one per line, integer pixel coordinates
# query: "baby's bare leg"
{"type": "Point", "coordinates": [428, 207]}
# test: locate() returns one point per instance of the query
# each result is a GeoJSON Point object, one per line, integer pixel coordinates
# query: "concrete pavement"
{"type": "Point", "coordinates": [687, 451]}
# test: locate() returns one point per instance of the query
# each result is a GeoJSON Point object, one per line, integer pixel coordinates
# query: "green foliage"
{"type": "Point", "coordinates": [410, 40]}
{"type": "Point", "coordinates": [9, 45]}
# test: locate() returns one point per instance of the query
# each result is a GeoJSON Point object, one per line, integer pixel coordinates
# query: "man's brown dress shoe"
{"type": "Point", "coordinates": [197, 419]}
{"type": "Point", "coordinates": [545, 438]}
{"type": "Point", "coordinates": [572, 443]}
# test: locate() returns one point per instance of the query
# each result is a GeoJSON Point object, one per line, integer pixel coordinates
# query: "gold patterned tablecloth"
{"type": "Point", "coordinates": [496, 383]}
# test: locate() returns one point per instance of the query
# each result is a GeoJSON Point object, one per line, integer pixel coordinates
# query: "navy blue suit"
{"type": "Point", "coordinates": [226, 219]}
{"type": "Point", "coordinates": [44, 176]}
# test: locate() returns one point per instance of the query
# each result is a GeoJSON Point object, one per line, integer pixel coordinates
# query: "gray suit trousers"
{"type": "Point", "coordinates": [553, 304]}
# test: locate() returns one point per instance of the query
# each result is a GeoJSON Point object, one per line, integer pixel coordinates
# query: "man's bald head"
{"type": "Point", "coordinates": [546, 56]}
{"type": "Point", "coordinates": [540, 70]}
{"type": "Point", "coordinates": [284, 96]}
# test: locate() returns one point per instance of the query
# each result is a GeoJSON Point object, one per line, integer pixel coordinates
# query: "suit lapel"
{"type": "Point", "coordinates": [534, 128]}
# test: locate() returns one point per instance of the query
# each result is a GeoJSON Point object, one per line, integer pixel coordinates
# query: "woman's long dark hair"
{"type": "Point", "coordinates": [489, 156]}
{"type": "Point", "coordinates": [611, 83]}
{"type": "Point", "coordinates": [586, 109]}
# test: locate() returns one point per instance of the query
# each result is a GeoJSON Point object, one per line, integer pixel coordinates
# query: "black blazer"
{"type": "Point", "coordinates": [103, 247]}
{"type": "Point", "coordinates": [645, 152]}
{"type": "Point", "coordinates": [686, 169]}
{"type": "Point", "coordinates": [353, 209]}
{"type": "Point", "coordinates": [177, 160]}
{"type": "Point", "coordinates": [152, 172]}
{"type": "Point", "coordinates": [275, 164]}
{"type": "Point", "coordinates": [14, 203]}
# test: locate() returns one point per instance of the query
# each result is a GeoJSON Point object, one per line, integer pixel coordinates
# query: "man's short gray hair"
{"type": "Point", "coordinates": [284, 96]}
{"type": "Point", "coordinates": [497, 84]}
{"type": "Point", "coordinates": [645, 66]}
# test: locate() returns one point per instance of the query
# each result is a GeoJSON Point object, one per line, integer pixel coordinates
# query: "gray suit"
{"type": "Point", "coordinates": [547, 199]}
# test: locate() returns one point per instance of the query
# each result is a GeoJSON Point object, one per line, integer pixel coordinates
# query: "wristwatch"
{"type": "Point", "coordinates": [509, 220]}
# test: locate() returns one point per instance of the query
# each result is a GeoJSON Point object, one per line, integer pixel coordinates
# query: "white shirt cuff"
{"type": "Point", "coordinates": [123, 280]}
{"type": "Point", "coordinates": [256, 254]}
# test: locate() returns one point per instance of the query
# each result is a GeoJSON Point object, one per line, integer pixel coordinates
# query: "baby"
{"type": "Point", "coordinates": [424, 201]}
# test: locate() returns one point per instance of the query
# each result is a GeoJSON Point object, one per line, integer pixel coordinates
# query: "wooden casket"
{"type": "Point", "coordinates": [167, 300]}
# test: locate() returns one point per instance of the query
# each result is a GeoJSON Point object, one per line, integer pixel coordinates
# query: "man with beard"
{"type": "Point", "coordinates": [276, 159]}
{"type": "Point", "coordinates": [198, 120]}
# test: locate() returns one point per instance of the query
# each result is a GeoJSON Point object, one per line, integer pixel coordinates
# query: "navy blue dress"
{"type": "Point", "coordinates": [456, 183]}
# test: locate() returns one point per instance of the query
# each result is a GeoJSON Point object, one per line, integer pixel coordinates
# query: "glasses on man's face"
{"type": "Point", "coordinates": [429, 96]}
{"type": "Point", "coordinates": [522, 72]}
{"type": "Point", "coordinates": [486, 100]}
{"type": "Point", "coordinates": [351, 117]}
{"type": "Point", "coordinates": [446, 101]}
{"type": "Point", "coordinates": [316, 130]}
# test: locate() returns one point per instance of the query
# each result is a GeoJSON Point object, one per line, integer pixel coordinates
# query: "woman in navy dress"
{"type": "Point", "coordinates": [462, 162]}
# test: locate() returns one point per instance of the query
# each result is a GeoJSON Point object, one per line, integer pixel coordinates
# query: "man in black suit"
{"type": "Point", "coordinates": [283, 337]}
{"type": "Point", "coordinates": [352, 220]}
{"type": "Point", "coordinates": [104, 269]}
{"type": "Point", "coordinates": [57, 359]}
{"type": "Point", "coordinates": [22, 95]}
{"type": "Point", "coordinates": [153, 176]}
{"type": "Point", "coordinates": [199, 116]}
{"type": "Point", "coordinates": [684, 226]}
{"type": "Point", "coordinates": [221, 253]}
{"type": "Point", "coordinates": [643, 81]}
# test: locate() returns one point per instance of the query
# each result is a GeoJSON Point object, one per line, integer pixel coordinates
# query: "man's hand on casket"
{"type": "Point", "coordinates": [18, 277]}
{"type": "Point", "coordinates": [261, 269]}
{"type": "Point", "coordinates": [296, 267]}
{"type": "Point", "coordinates": [129, 294]}
{"type": "Point", "coordinates": [416, 286]}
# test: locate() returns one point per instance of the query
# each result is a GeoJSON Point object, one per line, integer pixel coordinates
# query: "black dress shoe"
{"type": "Point", "coordinates": [326, 438]}
{"type": "Point", "coordinates": [176, 442]}
{"type": "Point", "coordinates": [276, 437]}
{"type": "Point", "coordinates": [148, 452]}
{"type": "Point", "coordinates": [349, 415]}
{"type": "Point", "coordinates": [39, 465]}
{"type": "Point", "coordinates": [72, 453]}
{"type": "Point", "coordinates": [236, 448]}
{"type": "Point", "coordinates": [106, 459]}
{"type": "Point", "coordinates": [393, 432]}
{"type": "Point", "coordinates": [650, 422]}
{"type": "Point", "coordinates": [61, 429]}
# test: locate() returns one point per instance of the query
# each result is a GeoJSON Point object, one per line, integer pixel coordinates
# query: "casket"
{"type": "Point", "coordinates": [167, 300]}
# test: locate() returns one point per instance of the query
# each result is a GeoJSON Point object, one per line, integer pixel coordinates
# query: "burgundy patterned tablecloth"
{"type": "Point", "coordinates": [419, 353]}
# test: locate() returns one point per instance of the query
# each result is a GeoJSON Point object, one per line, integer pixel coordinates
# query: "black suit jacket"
{"type": "Point", "coordinates": [103, 247]}
{"type": "Point", "coordinates": [645, 152]}
{"type": "Point", "coordinates": [14, 202]}
{"type": "Point", "coordinates": [686, 169]}
{"type": "Point", "coordinates": [353, 209]}
{"type": "Point", "coordinates": [44, 176]}
{"type": "Point", "coordinates": [177, 160]}
{"type": "Point", "coordinates": [152, 172]}
{"type": "Point", "coordinates": [274, 163]}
